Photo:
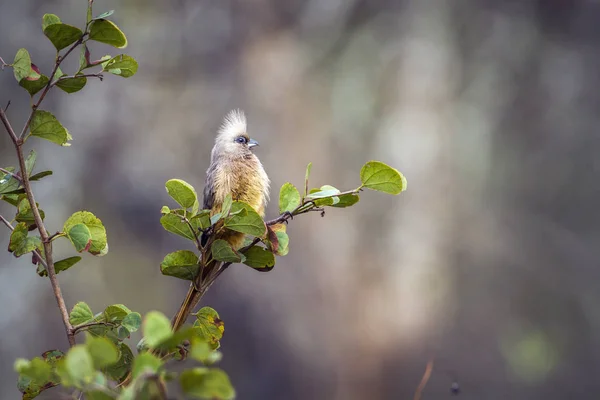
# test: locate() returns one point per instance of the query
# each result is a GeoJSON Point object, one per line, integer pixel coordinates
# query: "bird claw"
{"type": "Point", "coordinates": [289, 215]}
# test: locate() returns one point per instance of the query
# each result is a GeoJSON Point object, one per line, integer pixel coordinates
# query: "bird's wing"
{"type": "Point", "coordinates": [209, 189]}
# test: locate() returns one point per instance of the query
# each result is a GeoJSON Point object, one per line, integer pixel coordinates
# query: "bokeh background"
{"type": "Point", "coordinates": [488, 264]}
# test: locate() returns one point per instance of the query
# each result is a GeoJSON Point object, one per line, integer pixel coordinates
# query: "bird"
{"type": "Point", "coordinates": [234, 170]}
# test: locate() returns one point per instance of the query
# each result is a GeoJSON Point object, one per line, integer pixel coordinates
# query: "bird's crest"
{"type": "Point", "coordinates": [233, 124]}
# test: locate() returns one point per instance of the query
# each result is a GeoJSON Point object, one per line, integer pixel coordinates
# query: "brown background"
{"type": "Point", "coordinates": [487, 262]}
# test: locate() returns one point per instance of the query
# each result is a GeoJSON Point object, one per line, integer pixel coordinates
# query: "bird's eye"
{"type": "Point", "coordinates": [242, 140]}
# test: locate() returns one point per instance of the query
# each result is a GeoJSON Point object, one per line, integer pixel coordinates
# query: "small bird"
{"type": "Point", "coordinates": [234, 169]}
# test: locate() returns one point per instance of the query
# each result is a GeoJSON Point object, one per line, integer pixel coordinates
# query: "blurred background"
{"type": "Point", "coordinates": [487, 264]}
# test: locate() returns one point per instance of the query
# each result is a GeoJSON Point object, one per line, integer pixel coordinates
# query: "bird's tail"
{"type": "Point", "coordinates": [192, 298]}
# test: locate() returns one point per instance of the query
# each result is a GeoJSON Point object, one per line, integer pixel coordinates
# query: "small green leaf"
{"type": "Point", "coordinates": [222, 251]}
{"type": "Point", "coordinates": [182, 192]}
{"type": "Point", "coordinates": [156, 328]}
{"type": "Point", "coordinates": [259, 258]}
{"type": "Point", "coordinates": [80, 236]}
{"type": "Point", "coordinates": [36, 369]}
{"type": "Point", "coordinates": [165, 210]}
{"type": "Point", "coordinates": [250, 222]}
{"type": "Point", "coordinates": [104, 15]}
{"type": "Point", "coordinates": [132, 321]}
{"type": "Point", "coordinates": [209, 327]}
{"type": "Point", "coordinates": [289, 198]}
{"type": "Point", "coordinates": [61, 35]}
{"type": "Point", "coordinates": [73, 84]}
{"type": "Point", "coordinates": [46, 126]}
{"type": "Point", "coordinates": [182, 264]}
{"type": "Point", "coordinates": [81, 314]}
{"type": "Point", "coordinates": [121, 368]}
{"type": "Point", "coordinates": [22, 65]}
{"type": "Point", "coordinates": [30, 162]}
{"type": "Point", "coordinates": [203, 352]}
{"type": "Point", "coordinates": [121, 65]}
{"type": "Point", "coordinates": [347, 200]}
{"type": "Point", "coordinates": [61, 265]}
{"type": "Point", "coordinates": [99, 245]}
{"type": "Point", "coordinates": [20, 243]}
{"type": "Point", "coordinates": [79, 364]}
{"type": "Point", "coordinates": [325, 191]}
{"type": "Point", "coordinates": [215, 218]}
{"type": "Point", "coordinates": [103, 351]}
{"type": "Point", "coordinates": [40, 175]}
{"type": "Point", "coordinates": [378, 176]}
{"type": "Point", "coordinates": [173, 223]}
{"type": "Point", "coordinates": [8, 183]}
{"type": "Point", "coordinates": [205, 383]}
{"type": "Point", "coordinates": [145, 362]}
{"type": "Point", "coordinates": [202, 219]}
{"type": "Point", "coordinates": [25, 213]}
{"type": "Point", "coordinates": [115, 313]}
{"type": "Point", "coordinates": [104, 31]}
{"type": "Point", "coordinates": [34, 84]}
{"type": "Point", "coordinates": [306, 175]}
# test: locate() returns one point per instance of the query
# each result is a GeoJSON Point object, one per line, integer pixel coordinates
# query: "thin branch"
{"type": "Point", "coordinates": [424, 379]}
{"type": "Point", "coordinates": [3, 64]}
{"type": "Point", "coordinates": [79, 328]}
{"type": "Point", "coordinates": [17, 177]}
{"type": "Point", "coordinates": [8, 127]}
{"type": "Point", "coordinates": [62, 78]}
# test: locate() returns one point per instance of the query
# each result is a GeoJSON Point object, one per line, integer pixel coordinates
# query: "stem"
{"type": "Point", "coordinates": [79, 328]}
{"type": "Point", "coordinates": [11, 174]}
{"type": "Point", "coordinates": [18, 143]}
{"type": "Point", "coordinates": [424, 379]}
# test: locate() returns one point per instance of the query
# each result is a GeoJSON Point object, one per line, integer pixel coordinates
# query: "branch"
{"type": "Point", "coordinates": [79, 328]}
{"type": "Point", "coordinates": [17, 177]}
{"type": "Point", "coordinates": [424, 379]}
{"type": "Point", "coordinates": [62, 78]}
{"type": "Point", "coordinates": [3, 64]}
{"type": "Point", "coordinates": [38, 219]}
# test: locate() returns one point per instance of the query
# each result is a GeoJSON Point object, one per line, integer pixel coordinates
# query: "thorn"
{"type": "Point", "coordinates": [7, 105]}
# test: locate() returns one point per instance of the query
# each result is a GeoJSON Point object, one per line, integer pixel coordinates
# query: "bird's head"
{"type": "Point", "coordinates": [233, 140]}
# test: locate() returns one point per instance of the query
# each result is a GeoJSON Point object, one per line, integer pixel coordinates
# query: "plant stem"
{"type": "Point", "coordinates": [78, 328]}
{"type": "Point", "coordinates": [18, 143]}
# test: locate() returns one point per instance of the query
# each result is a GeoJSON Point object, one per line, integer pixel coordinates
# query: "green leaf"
{"type": "Point", "coordinates": [46, 126]}
{"type": "Point", "coordinates": [80, 314]}
{"type": "Point", "coordinates": [182, 264]}
{"type": "Point", "coordinates": [347, 200]}
{"type": "Point", "coordinates": [222, 251]}
{"type": "Point", "coordinates": [37, 369]}
{"type": "Point", "coordinates": [34, 83]}
{"type": "Point", "coordinates": [156, 328]}
{"type": "Point", "coordinates": [104, 31]}
{"type": "Point", "coordinates": [172, 223]}
{"type": "Point", "coordinates": [105, 15]}
{"type": "Point", "coordinates": [325, 191]}
{"type": "Point", "coordinates": [84, 57]}
{"type": "Point", "coordinates": [103, 351]}
{"type": "Point", "coordinates": [284, 241]}
{"type": "Point", "coordinates": [203, 352]}
{"type": "Point", "coordinates": [99, 245]}
{"type": "Point", "coordinates": [145, 362]}
{"type": "Point", "coordinates": [209, 327]}
{"type": "Point", "coordinates": [121, 65]}
{"type": "Point", "coordinates": [172, 342]}
{"type": "Point", "coordinates": [61, 35]}
{"type": "Point", "coordinates": [226, 206]}
{"type": "Point", "coordinates": [25, 213]}
{"type": "Point", "coordinates": [182, 192]}
{"type": "Point", "coordinates": [98, 395]}
{"type": "Point", "coordinates": [202, 219]}
{"type": "Point", "coordinates": [289, 198]}
{"type": "Point", "coordinates": [215, 218]}
{"type": "Point", "coordinates": [79, 364]}
{"type": "Point", "coordinates": [20, 243]}
{"type": "Point", "coordinates": [22, 65]}
{"type": "Point", "coordinates": [61, 265]}
{"type": "Point", "coordinates": [249, 222]}
{"type": "Point", "coordinates": [165, 210]}
{"type": "Point", "coordinates": [30, 162]}
{"type": "Point", "coordinates": [8, 183]}
{"type": "Point", "coordinates": [40, 175]}
{"type": "Point", "coordinates": [72, 85]}
{"type": "Point", "coordinates": [80, 236]}
{"type": "Point", "coordinates": [306, 175]}
{"type": "Point", "coordinates": [259, 258]}
{"type": "Point", "coordinates": [121, 368]}
{"type": "Point", "coordinates": [378, 176]}
{"type": "Point", "coordinates": [205, 383]}
{"type": "Point", "coordinates": [132, 321]}
{"type": "Point", "coordinates": [114, 313]}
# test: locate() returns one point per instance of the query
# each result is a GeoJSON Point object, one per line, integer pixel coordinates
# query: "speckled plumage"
{"type": "Point", "coordinates": [235, 170]}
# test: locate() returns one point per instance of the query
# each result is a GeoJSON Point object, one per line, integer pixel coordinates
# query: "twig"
{"type": "Point", "coordinates": [78, 328]}
{"type": "Point", "coordinates": [17, 177]}
{"type": "Point", "coordinates": [62, 78]}
{"type": "Point", "coordinates": [9, 226]}
{"type": "Point", "coordinates": [7, 105]}
{"type": "Point", "coordinates": [38, 219]}
{"type": "Point", "coordinates": [424, 379]}
{"type": "Point", "coordinates": [3, 64]}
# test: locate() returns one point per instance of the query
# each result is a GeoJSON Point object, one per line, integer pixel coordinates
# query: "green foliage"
{"type": "Point", "coordinates": [46, 126]}
{"type": "Point", "coordinates": [182, 264]}
{"type": "Point", "coordinates": [121, 65]}
{"type": "Point", "coordinates": [60, 266]}
{"type": "Point", "coordinates": [97, 242]}
{"type": "Point", "coordinates": [259, 258]}
{"type": "Point", "coordinates": [243, 218]}
{"type": "Point", "coordinates": [289, 198]}
{"type": "Point", "coordinates": [81, 313]}
{"type": "Point", "coordinates": [61, 35]}
{"type": "Point", "coordinates": [146, 363]}
{"type": "Point", "coordinates": [105, 31]}
{"type": "Point", "coordinates": [156, 328]}
{"type": "Point", "coordinates": [20, 243]}
{"type": "Point", "coordinates": [222, 251]}
{"type": "Point", "coordinates": [209, 327]}
{"type": "Point", "coordinates": [175, 224]}
{"type": "Point", "coordinates": [22, 65]}
{"type": "Point", "coordinates": [206, 383]}
{"type": "Point", "coordinates": [378, 176]}
{"type": "Point", "coordinates": [182, 192]}
{"type": "Point", "coordinates": [72, 84]}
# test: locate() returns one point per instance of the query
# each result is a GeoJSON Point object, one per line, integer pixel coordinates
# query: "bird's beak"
{"type": "Point", "coordinates": [252, 143]}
